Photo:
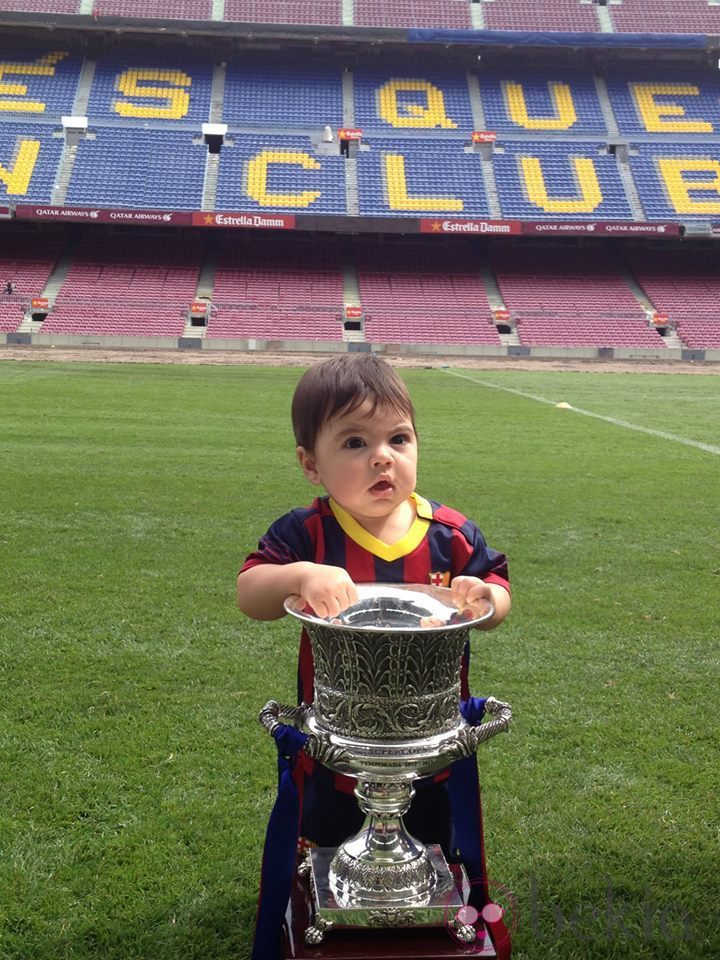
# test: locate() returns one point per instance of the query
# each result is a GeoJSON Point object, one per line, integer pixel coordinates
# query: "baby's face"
{"type": "Point", "coordinates": [366, 460]}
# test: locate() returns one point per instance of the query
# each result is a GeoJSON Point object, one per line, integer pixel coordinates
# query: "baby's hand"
{"type": "Point", "coordinates": [328, 590]}
{"type": "Point", "coordinates": [470, 593]}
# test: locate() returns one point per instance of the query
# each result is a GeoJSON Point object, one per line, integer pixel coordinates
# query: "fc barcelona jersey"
{"type": "Point", "coordinates": [441, 544]}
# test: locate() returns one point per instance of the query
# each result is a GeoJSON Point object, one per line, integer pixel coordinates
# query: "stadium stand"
{"type": "Point", "coordinates": [528, 101]}
{"type": "Point", "coordinates": [560, 180]}
{"type": "Point", "coordinates": [678, 182]}
{"type": "Point", "coordinates": [452, 14]}
{"type": "Point", "coordinates": [278, 291]}
{"type": "Point", "coordinates": [548, 15]}
{"type": "Point", "coordinates": [278, 95]}
{"type": "Point", "coordinates": [158, 89]}
{"type": "Point", "coordinates": [41, 6]}
{"type": "Point", "coordinates": [565, 297]}
{"type": "Point", "coordinates": [420, 176]}
{"type": "Point", "coordinates": [421, 101]}
{"type": "Point", "coordinates": [30, 156]}
{"type": "Point", "coordinates": [26, 262]}
{"type": "Point", "coordinates": [665, 16]}
{"type": "Point", "coordinates": [663, 102]}
{"type": "Point", "coordinates": [684, 285]}
{"type": "Point", "coordinates": [280, 173]}
{"type": "Point", "coordinates": [156, 169]}
{"type": "Point", "coordinates": [285, 11]}
{"type": "Point", "coordinates": [575, 144]}
{"type": "Point", "coordinates": [157, 9]}
{"type": "Point", "coordinates": [421, 294]}
{"type": "Point", "coordinates": [38, 82]}
{"type": "Point", "coordinates": [139, 286]}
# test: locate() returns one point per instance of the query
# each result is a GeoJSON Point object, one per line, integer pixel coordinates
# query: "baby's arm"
{"type": "Point", "coordinates": [262, 589]}
{"type": "Point", "coordinates": [469, 592]}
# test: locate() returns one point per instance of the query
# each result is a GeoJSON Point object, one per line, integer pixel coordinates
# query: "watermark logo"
{"type": "Point", "coordinates": [471, 926]}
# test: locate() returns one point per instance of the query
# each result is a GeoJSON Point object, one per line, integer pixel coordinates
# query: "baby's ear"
{"type": "Point", "coordinates": [307, 463]}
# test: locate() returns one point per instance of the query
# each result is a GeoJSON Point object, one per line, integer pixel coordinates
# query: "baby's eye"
{"type": "Point", "coordinates": [354, 443]}
{"type": "Point", "coordinates": [400, 439]}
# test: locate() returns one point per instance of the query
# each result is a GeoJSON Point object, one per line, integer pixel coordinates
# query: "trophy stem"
{"type": "Point", "coordinates": [383, 864]}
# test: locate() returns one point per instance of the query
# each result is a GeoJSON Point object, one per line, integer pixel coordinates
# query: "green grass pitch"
{"type": "Point", "coordinates": [135, 781]}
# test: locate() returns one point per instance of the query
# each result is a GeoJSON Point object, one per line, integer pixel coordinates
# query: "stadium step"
{"type": "Point", "coordinates": [212, 171]}
{"type": "Point", "coordinates": [631, 190]}
{"type": "Point", "coordinates": [57, 277]}
{"type": "Point", "coordinates": [604, 19]}
{"type": "Point", "coordinates": [605, 106]}
{"type": "Point", "coordinates": [206, 278]}
{"type": "Point", "coordinates": [62, 182]}
{"type": "Point", "coordinates": [352, 193]}
{"type": "Point", "coordinates": [217, 93]}
{"type": "Point", "coordinates": [82, 95]}
{"type": "Point", "coordinates": [477, 18]}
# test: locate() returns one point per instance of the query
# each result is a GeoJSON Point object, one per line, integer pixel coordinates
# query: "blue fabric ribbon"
{"type": "Point", "coordinates": [278, 863]}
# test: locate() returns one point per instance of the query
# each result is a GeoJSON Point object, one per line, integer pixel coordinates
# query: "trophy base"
{"type": "Point", "coordinates": [382, 932]}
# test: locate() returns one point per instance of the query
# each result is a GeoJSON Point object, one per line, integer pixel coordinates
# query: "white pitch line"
{"type": "Point", "coordinates": [707, 447]}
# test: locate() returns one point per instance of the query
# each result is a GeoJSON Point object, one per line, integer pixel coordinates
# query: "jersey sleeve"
{"type": "Point", "coordinates": [287, 541]}
{"type": "Point", "coordinates": [480, 560]}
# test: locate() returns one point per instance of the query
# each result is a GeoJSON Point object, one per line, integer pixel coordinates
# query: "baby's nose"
{"type": "Point", "coordinates": [382, 454]}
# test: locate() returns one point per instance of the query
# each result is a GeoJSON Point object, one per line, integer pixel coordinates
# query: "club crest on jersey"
{"type": "Point", "coordinates": [440, 578]}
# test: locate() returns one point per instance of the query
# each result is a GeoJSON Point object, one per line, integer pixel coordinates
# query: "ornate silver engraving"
{"type": "Point", "coordinates": [391, 917]}
{"type": "Point", "coordinates": [386, 710]}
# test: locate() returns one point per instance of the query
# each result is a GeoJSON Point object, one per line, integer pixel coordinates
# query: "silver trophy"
{"type": "Point", "coordinates": [386, 712]}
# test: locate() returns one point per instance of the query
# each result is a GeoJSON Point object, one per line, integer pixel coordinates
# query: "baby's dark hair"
{"type": "Point", "coordinates": [340, 385]}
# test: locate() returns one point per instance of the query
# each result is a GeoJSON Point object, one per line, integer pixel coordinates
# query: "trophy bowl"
{"type": "Point", "coordinates": [386, 712]}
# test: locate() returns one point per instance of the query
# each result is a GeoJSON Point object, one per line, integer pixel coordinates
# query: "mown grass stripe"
{"type": "Point", "coordinates": [616, 421]}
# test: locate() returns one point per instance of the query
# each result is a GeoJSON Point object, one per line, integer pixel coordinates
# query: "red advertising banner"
{"type": "Point", "coordinates": [198, 306]}
{"type": "Point", "coordinates": [599, 228]}
{"type": "Point", "coordinates": [93, 214]}
{"type": "Point", "coordinates": [39, 303]}
{"type": "Point", "coordinates": [484, 136]}
{"type": "Point", "coordinates": [352, 313]}
{"type": "Point", "coordinates": [501, 315]}
{"type": "Point", "coordinates": [272, 221]}
{"type": "Point", "coordinates": [501, 227]}
{"type": "Point", "coordinates": [661, 319]}
{"type": "Point", "coordinates": [350, 133]}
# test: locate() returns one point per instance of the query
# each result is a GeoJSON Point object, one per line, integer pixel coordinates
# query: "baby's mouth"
{"type": "Point", "coordinates": [382, 486]}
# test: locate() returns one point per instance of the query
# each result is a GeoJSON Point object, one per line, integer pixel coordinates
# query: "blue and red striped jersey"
{"type": "Point", "coordinates": [440, 545]}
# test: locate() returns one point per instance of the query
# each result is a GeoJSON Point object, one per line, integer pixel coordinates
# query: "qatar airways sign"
{"type": "Point", "coordinates": [619, 228]}
{"type": "Point", "coordinates": [161, 218]}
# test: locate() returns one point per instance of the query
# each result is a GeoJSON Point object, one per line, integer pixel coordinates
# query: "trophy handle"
{"type": "Point", "coordinates": [319, 747]}
{"type": "Point", "coordinates": [274, 714]}
{"type": "Point", "coordinates": [469, 738]}
{"type": "Point", "coordinates": [502, 712]}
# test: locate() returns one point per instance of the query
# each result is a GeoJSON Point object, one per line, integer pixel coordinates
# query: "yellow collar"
{"type": "Point", "coordinates": [386, 551]}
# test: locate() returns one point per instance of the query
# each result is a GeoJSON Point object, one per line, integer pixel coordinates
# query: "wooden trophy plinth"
{"type": "Point", "coordinates": [352, 943]}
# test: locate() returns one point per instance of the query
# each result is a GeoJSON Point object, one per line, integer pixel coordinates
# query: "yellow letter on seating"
{"type": "Point", "coordinates": [17, 178]}
{"type": "Point", "coordinates": [397, 191]}
{"type": "Point", "coordinates": [426, 114]}
{"type": "Point", "coordinates": [585, 176]}
{"type": "Point", "coordinates": [672, 171]}
{"type": "Point", "coordinates": [44, 67]}
{"type": "Point", "coordinates": [654, 114]}
{"type": "Point", "coordinates": [257, 175]}
{"type": "Point", "coordinates": [131, 83]}
{"type": "Point", "coordinates": [564, 108]}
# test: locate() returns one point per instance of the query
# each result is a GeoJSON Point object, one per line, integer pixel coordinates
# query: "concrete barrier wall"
{"type": "Point", "coordinates": [387, 349]}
